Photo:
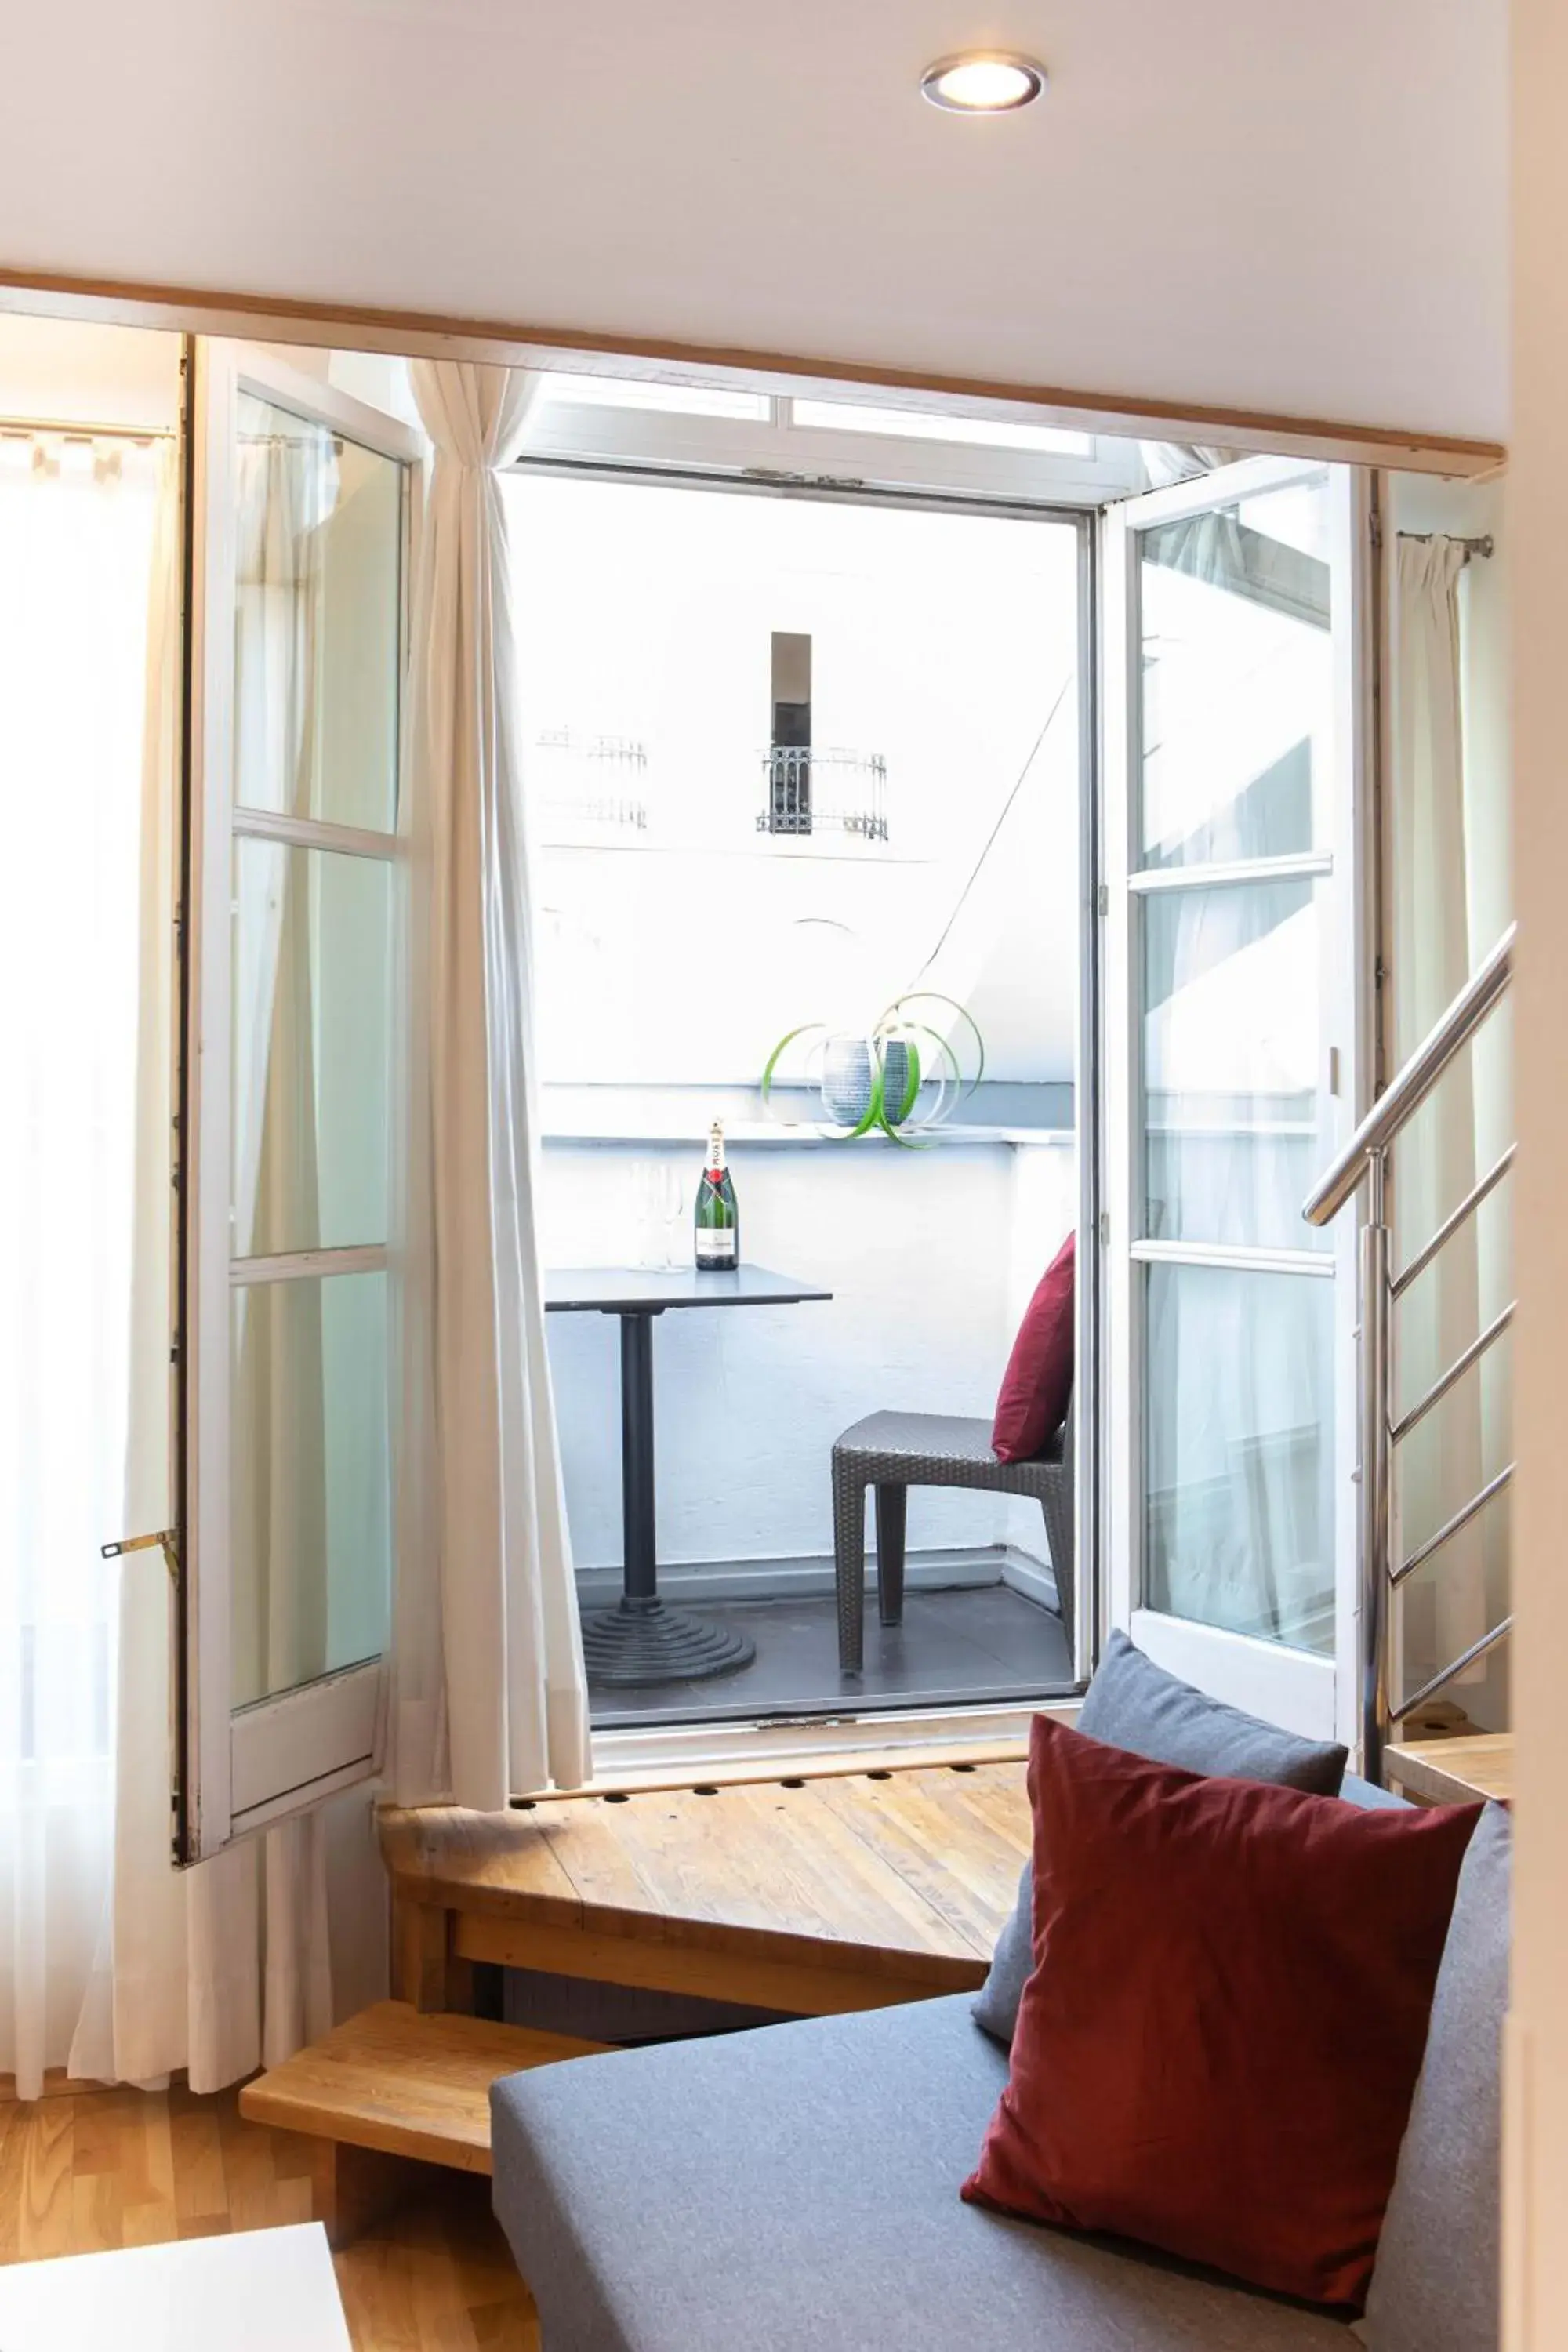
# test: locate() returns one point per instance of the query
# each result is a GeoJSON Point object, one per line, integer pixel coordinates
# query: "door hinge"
{"type": "Point", "coordinates": [1104, 900]}
{"type": "Point", "coordinates": [1105, 1229]}
{"type": "Point", "coordinates": [1375, 526]}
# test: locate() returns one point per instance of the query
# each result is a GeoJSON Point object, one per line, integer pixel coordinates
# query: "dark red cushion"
{"type": "Point", "coordinates": [1038, 1382]}
{"type": "Point", "coordinates": [1217, 2049]}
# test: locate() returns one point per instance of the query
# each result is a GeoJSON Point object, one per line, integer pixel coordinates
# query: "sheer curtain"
{"type": "Point", "coordinates": [219, 1969]}
{"type": "Point", "coordinates": [491, 1697]}
{"type": "Point", "coordinates": [76, 530]}
{"type": "Point", "coordinates": [1440, 1464]}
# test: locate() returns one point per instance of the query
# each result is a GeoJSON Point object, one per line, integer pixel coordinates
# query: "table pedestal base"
{"type": "Point", "coordinates": [642, 1640]}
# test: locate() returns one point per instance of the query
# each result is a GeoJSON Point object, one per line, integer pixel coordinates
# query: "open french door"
{"type": "Point", "coordinates": [1233, 1064]}
{"type": "Point", "coordinates": [300, 509]}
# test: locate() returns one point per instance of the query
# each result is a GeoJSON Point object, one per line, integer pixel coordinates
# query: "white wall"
{"type": "Point", "coordinates": [1536, 2118]}
{"type": "Point", "coordinates": [1301, 210]}
{"type": "Point", "coordinates": [931, 1257]}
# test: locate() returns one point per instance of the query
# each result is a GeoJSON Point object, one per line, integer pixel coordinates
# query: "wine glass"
{"type": "Point", "coordinates": [669, 1193]}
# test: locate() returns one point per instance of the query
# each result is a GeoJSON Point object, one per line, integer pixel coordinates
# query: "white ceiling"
{"type": "Point", "coordinates": [1299, 207]}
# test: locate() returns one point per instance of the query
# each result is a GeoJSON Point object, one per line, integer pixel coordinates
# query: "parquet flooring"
{"type": "Point", "coordinates": [87, 2171]}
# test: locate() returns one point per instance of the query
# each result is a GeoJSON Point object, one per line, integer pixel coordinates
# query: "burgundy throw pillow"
{"type": "Point", "coordinates": [1216, 2052]}
{"type": "Point", "coordinates": [1037, 1383]}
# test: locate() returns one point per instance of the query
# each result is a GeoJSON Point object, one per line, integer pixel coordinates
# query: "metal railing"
{"type": "Point", "coordinates": [808, 790]}
{"type": "Point", "coordinates": [591, 781]}
{"type": "Point", "coordinates": [1365, 1159]}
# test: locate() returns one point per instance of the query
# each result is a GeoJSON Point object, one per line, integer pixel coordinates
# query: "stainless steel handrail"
{"type": "Point", "coordinates": [1461, 1518]}
{"type": "Point", "coordinates": [1423, 1258]}
{"type": "Point", "coordinates": [1453, 1376]}
{"type": "Point", "coordinates": [1366, 1159]}
{"type": "Point", "coordinates": [1455, 1666]}
{"type": "Point", "coordinates": [1399, 1102]}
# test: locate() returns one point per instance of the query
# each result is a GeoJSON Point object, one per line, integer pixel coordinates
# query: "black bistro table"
{"type": "Point", "coordinates": [640, 1640]}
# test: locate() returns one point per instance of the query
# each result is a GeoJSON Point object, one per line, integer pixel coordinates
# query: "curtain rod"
{"type": "Point", "coordinates": [28, 428]}
{"type": "Point", "coordinates": [1483, 546]}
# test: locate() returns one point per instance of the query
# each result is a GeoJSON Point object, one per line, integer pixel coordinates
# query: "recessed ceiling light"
{"type": "Point", "coordinates": [983, 81]}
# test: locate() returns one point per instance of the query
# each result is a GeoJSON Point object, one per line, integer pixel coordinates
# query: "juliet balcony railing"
{"type": "Point", "coordinates": [806, 791]}
{"type": "Point", "coordinates": [1365, 1160]}
{"type": "Point", "coordinates": [592, 783]}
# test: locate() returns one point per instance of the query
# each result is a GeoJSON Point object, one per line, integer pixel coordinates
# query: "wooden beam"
{"type": "Point", "coordinates": [419, 1954]}
{"type": "Point", "coordinates": [737, 1972]}
{"type": "Point", "coordinates": [271, 318]}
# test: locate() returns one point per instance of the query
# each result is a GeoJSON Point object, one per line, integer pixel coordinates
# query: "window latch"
{"type": "Point", "coordinates": [167, 1540]}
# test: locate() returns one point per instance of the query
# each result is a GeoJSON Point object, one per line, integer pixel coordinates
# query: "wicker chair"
{"type": "Point", "coordinates": [895, 1451]}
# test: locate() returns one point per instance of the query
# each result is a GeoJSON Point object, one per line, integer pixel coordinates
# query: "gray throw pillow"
{"type": "Point", "coordinates": [1133, 1704]}
{"type": "Point", "coordinates": [1437, 2282]}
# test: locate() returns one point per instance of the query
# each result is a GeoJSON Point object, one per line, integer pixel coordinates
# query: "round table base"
{"type": "Point", "coordinates": [641, 1641]}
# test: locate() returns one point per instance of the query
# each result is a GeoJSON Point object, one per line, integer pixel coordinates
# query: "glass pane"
{"type": "Point", "coordinates": [820, 823]}
{"type": "Point", "coordinates": [677, 399]}
{"type": "Point", "coordinates": [927, 424]}
{"type": "Point", "coordinates": [312, 998]}
{"type": "Point", "coordinates": [317, 621]}
{"type": "Point", "coordinates": [1232, 991]}
{"type": "Point", "coordinates": [1238, 678]}
{"type": "Point", "coordinates": [1238, 1450]}
{"type": "Point", "coordinates": [311, 1484]}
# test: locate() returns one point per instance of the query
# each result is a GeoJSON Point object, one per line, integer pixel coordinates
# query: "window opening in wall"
{"type": "Point", "coordinates": [850, 729]}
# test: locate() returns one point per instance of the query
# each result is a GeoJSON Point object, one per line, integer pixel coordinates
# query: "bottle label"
{"type": "Point", "coordinates": [715, 1248]}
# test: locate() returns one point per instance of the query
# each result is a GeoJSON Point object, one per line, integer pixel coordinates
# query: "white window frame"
{"type": "Point", "coordinates": [240, 1769]}
{"type": "Point", "coordinates": [1315, 1695]}
{"type": "Point", "coordinates": [598, 432]}
{"type": "Point", "coordinates": [632, 1748]}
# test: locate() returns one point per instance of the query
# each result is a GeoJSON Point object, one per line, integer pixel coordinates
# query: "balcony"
{"type": "Point", "coordinates": [692, 915]}
{"type": "Point", "coordinates": [810, 791]}
{"type": "Point", "coordinates": [748, 1404]}
{"type": "Point", "coordinates": [588, 788]}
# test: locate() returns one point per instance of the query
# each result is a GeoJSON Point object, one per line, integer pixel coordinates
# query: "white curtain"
{"type": "Point", "coordinates": [225, 1967]}
{"type": "Point", "coordinates": [491, 1696]}
{"type": "Point", "coordinates": [1440, 1464]}
{"type": "Point", "coordinates": [1166, 463]}
{"type": "Point", "coordinates": [76, 530]}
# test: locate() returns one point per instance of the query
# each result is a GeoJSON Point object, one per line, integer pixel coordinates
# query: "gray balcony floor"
{"type": "Point", "coordinates": [955, 1647]}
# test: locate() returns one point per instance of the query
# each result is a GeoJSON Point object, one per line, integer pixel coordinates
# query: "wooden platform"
{"type": "Point", "coordinates": [1453, 1771]}
{"type": "Point", "coordinates": [389, 2090]}
{"type": "Point", "coordinates": [805, 1896]}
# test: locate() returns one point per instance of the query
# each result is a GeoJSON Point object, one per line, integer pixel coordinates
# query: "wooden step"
{"type": "Point", "coordinates": [405, 2083]}
{"type": "Point", "coordinates": [1453, 1771]}
{"type": "Point", "coordinates": [391, 2089]}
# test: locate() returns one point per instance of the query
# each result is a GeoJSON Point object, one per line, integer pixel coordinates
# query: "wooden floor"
{"type": "Point", "coordinates": [805, 1896]}
{"type": "Point", "coordinates": [85, 2171]}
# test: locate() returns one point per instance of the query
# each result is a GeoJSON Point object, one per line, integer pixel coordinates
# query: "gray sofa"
{"type": "Point", "coordinates": [797, 2186]}
{"type": "Point", "coordinates": [795, 2189]}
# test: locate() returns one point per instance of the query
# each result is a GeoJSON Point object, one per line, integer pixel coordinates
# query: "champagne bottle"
{"type": "Point", "coordinates": [717, 1218]}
